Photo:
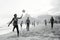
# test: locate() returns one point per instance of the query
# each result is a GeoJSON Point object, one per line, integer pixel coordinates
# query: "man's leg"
{"type": "Point", "coordinates": [52, 25]}
{"type": "Point", "coordinates": [28, 27]}
{"type": "Point", "coordinates": [13, 28]}
{"type": "Point", "coordinates": [17, 31]}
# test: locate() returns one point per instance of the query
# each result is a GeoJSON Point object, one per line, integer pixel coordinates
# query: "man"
{"type": "Point", "coordinates": [21, 24]}
{"type": "Point", "coordinates": [52, 22]}
{"type": "Point", "coordinates": [34, 23]}
{"type": "Point", "coordinates": [45, 22]}
{"type": "Point", "coordinates": [15, 23]}
{"type": "Point", "coordinates": [28, 23]}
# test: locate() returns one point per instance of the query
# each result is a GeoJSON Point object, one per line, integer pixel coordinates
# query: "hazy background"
{"type": "Point", "coordinates": [33, 7]}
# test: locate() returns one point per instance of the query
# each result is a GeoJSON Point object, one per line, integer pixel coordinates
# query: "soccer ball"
{"type": "Point", "coordinates": [23, 11]}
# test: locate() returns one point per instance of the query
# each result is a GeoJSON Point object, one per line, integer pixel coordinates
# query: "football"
{"type": "Point", "coordinates": [23, 11]}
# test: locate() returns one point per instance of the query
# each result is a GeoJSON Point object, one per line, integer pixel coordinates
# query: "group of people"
{"type": "Point", "coordinates": [15, 23]}
{"type": "Point", "coordinates": [51, 21]}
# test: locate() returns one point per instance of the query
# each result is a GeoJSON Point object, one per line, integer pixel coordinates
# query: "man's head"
{"type": "Point", "coordinates": [15, 15]}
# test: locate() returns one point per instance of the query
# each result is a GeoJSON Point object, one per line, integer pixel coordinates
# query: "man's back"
{"type": "Point", "coordinates": [52, 20]}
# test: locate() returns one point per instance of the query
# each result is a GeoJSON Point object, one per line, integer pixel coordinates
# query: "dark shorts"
{"type": "Point", "coordinates": [16, 26]}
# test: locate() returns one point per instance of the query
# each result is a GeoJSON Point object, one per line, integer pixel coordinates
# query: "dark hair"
{"type": "Point", "coordinates": [15, 14]}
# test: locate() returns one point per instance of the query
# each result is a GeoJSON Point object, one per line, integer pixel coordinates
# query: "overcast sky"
{"type": "Point", "coordinates": [32, 7]}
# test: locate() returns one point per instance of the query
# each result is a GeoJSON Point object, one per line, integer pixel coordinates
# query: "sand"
{"type": "Point", "coordinates": [39, 32]}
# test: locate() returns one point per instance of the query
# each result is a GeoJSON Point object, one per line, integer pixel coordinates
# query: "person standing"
{"type": "Point", "coordinates": [21, 24]}
{"type": "Point", "coordinates": [34, 23]}
{"type": "Point", "coordinates": [15, 23]}
{"type": "Point", "coordinates": [28, 23]}
{"type": "Point", "coordinates": [52, 22]}
{"type": "Point", "coordinates": [45, 22]}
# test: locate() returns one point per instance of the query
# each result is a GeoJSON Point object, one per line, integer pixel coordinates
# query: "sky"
{"type": "Point", "coordinates": [33, 7]}
{"type": "Point", "coordinates": [56, 7]}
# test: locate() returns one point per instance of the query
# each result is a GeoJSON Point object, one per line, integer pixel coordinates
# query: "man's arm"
{"type": "Point", "coordinates": [10, 22]}
{"type": "Point", "coordinates": [21, 16]}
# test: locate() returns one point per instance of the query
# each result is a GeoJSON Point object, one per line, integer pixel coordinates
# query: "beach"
{"type": "Point", "coordinates": [39, 32]}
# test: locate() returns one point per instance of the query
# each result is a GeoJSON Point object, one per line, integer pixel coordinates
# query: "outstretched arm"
{"type": "Point", "coordinates": [10, 22]}
{"type": "Point", "coordinates": [21, 16]}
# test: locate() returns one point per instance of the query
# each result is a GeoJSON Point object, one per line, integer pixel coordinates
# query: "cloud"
{"type": "Point", "coordinates": [8, 8]}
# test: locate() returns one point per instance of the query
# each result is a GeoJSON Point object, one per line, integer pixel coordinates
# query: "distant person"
{"type": "Point", "coordinates": [52, 22]}
{"type": "Point", "coordinates": [21, 24]}
{"type": "Point", "coordinates": [37, 23]}
{"type": "Point", "coordinates": [45, 22]}
{"type": "Point", "coordinates": [15, 23]}
{"type": "Point", "coordinates": [34, 23]}
{"type": "Point", "coordinates": [28, 23]}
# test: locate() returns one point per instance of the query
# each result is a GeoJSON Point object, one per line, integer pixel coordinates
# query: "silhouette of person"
{"type": "Point", "coordinates": [45, 22]}
{"type": "Point", "coordinates": [15, 23]}
{"type": "Point", "coordinates": [28, 23]}
{"type": "Point", "coordinates": [21, 24]}
{"type": "Point", "coordinates": [52, 22]}
{"type": "Point", "coordinates": [37, 23]}
{"type": "Point", "coordinates": [34, 23]}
